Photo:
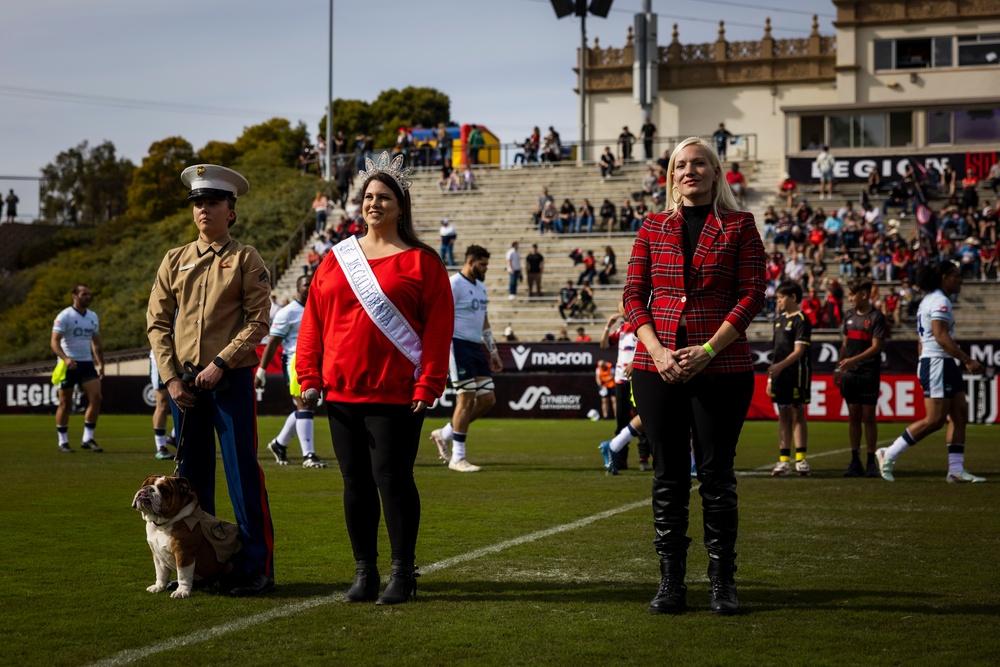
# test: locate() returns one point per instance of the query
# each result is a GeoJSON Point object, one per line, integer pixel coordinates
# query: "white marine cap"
{"type": "Point", "coordinates": [210, 181]}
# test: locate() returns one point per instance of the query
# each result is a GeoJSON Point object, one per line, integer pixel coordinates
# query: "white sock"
{"type": "Point", "coordinates": [956, 462]}
{"type": "Point", "coordinates": [88, 432]}
{"type": "Point", "coordinates": [897, 448]}
{"type": "Point", "coordinates": [448, 432]}
{"type": "Point", "coordinates": [623, 438]}
{"type": "Point", "coordinates": [286, 431]}
{"type": "Point", "coordinates": [160, 438]}
{"type": "Point", "coordinates": [63, 434]}
{"type": "Point", "coordinates": [304, 426]}
{"type": "Point", "coordinates": [458, 447]}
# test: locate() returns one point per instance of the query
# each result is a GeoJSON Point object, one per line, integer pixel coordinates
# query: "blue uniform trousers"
{"type": "Point", "coordinates": [233, 415]}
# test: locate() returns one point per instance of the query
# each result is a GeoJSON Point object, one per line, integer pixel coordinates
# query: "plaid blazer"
{"type": "Point", "coordinates": [726, 279]}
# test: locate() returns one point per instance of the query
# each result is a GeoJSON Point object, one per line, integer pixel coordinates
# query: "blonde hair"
{"type": "Point", "coordinates": [722, 195]}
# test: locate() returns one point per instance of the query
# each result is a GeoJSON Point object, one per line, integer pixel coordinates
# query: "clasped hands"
{"type": "Point", "coordinates": [679, 366]}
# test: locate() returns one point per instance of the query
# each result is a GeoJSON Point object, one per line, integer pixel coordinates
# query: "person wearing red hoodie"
{"type": "Point", "coordinates": [374, 343]}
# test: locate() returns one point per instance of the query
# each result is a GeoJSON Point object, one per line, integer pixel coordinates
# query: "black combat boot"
{"type": "Point", "coordinates": [671, 597]}
{"type": "Point", "coordinates": [722, 587]}
{"type": "Point", "coordinates": [366, 583]}
{"type": "Point", "coordinates": [402, 583]}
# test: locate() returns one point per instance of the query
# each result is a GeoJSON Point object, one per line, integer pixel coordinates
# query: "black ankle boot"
{"type": "Point", "coordinates": [402, 582]}
{"type": "Point", "coordinates": [671, 597]}
{"type": "Point", "coordinates": [366, 583]}
{"type": "Point", "coordinates": [722, 588]}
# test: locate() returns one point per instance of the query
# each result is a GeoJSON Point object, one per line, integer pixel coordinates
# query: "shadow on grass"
{"type": "Point", "coordinates": [753, 599]}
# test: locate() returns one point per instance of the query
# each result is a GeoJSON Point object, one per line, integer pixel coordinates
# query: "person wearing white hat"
{"type": "Point", "coordinates": [208, 310]}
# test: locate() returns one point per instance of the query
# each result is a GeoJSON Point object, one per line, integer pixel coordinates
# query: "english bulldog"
{"type": "Point", "coordinates": [183, 538]}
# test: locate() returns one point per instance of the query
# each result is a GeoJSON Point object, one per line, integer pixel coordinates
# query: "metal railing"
{"type": "Point", "coordinates": [282, 259]}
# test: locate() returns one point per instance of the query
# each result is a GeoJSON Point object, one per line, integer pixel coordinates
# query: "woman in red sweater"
{"type": "Point", "coordinates": [695, 282]}
{"type": "Point", "coordinates": [374, 342]}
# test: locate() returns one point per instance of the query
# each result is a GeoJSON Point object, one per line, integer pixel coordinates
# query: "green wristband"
{"type": "Point", "coordinates": [711, 352]}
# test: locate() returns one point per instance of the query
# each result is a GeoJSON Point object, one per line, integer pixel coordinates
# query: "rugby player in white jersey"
{"type": "Point", "coordinates": [76, 342]}
{"type": "Point", "coordinates": [470, 372]}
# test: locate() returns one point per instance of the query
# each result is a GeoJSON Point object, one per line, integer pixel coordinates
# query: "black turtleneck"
{"type": "Point", "coordinates": [694, 222]}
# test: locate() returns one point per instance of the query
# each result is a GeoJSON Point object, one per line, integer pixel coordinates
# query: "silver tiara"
{"type": "Point", "coordinates": [393, 168]}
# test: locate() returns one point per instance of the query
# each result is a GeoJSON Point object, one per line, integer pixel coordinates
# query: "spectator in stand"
{"type": "Point", "coordinates": [585, 216]}
{"type": "Point", "coordinates": [563, 337]}
{"type": "Point", "coordinates": [775, 269]}
{"type": "Point", "coordinates": [897, 198]}
{"type": "Point", "coordinates": [824, 164]}
{"type": "Point", "coordinates": [833, 313]}
{"type": "Point", "coordinates": [769, 221]}
{"type": "Point", "coordinates": [312, 259]}
{"type": "Point", "coordinates": [589, 268]}
{"type": "Point", "coordinates": [795, 268]}
{"type": "Point", "coordinates": [585, 305]}
{"type": "Point", "coordinates": [608, 267]}
{"type": "Point", "coordinates": [787, 188]}
{"type": "Point", "coordinates": [544, 198]}
{"type": "Point", "coordinates": [608, 215]}
{"type": "Point", "coordinates": [902, 263]}
{"type": "Point", "coordinates": [625, 141]}
{"type": "Point", "coordinates": [12, 201]}
{"type": "Point", "coordinates": [663, 160]}
{"type": "Point", "coordinates": [567, 216]}
{"type": "Point", "coordinates": [816, 249]}
{"type": "Point", "coordinates": [319, 206]}
{"type": "Point", "coordinates": [846, 264]}
{"type": "Point", "coordinates": [817, 273]}
{"type": "Point", "coordinates": [647, 133]}
{"type": "Point", "coordinates": [455, 181]}
{"type": "Point", "coordinates": [988, 261]}
{"type": "Point", "coordinates": [862, 264]}
{"type": "Point", "coordinates": [883, 262]}
{"type": "Point", "coordinates": [444, 183]}
{"type": "Point", "coordinates": [307, 156]}
{"type": "Point", "coordinates": [833, 226]}
{"type": "Point", "coordinates": [536, 265]}
{"type": "Point", "coordinates": [890, 309]}
{"type": "Point", "coordinates": [581, 336]}
{"type": "Point", "coordinates": [811, 307]}
{"type": "Point", "coordinates": [846, 210]}
{"type": "Point", "coordinates": [873, 216]}
{"type": "Point", "coordinates": [551, 148]}
{"type": "Point", "coordinates": [639, 215]}
{"type": "Point", "coordinates": [508, 335]}
{"type": "Point", "coordinates": [607, 163]}
{"type": "Point", "coordinates": [970, 198]}
{"type": "Point", "coordinates": [737, 183]}
{"type": "Point", "coordinates": [783, 231]}
{"type": "Point", "coordinates": [968, 256]}
{"type": "Point", "coordinates": [988, 224]}
{"type": "Point", "coordinates": [625, 215]}
{"type": "Point", "coordinates": [908, 298]}
{"type": "Point", "coordinates": [874, 182]}
{"type": "Point", "coordinates": [567, 300]}
{"type": "Point", "coordinates": [448, 236]}
{"type": "Point", "coordinates": [722, 138]}
{"type": "Point", "coordinates": [549, 219]}
{"type": "Point", "coordinates": [798, 240]}
{"type": "Point", "coordinates": [992, 179]}
{"type": "Point", "coordinates": [802, 212]}
{"type": "Point", "coordinates": [468, 178]}
{"type": "Point", "coordinates": [851, 235]}
{"type": "Point", "coordinates": [949, 180]}
{"type": "Point", "coordinates": [513, 270]}
{"type": "Point", "coordinates": [443, 140]}
{"type": "Point", "coordinates": [650, 184]}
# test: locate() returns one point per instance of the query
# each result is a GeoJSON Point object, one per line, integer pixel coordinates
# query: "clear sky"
{"type": "Point", "coordinates": [137, 71]}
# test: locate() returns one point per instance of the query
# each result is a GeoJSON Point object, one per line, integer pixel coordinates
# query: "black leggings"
{"type": "Point", "coordinates": [712, 409]}
{"type": "Point", "coordinates": [376, 446]}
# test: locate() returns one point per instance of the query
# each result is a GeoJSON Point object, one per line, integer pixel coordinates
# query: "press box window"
{"type": "Point", "coordinates": [979, 50]}
{"type": "Point", "coordinates": [913, 53]}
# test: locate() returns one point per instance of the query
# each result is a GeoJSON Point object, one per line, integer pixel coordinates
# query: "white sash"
{"type": "Point", "coordinates": [382, 312]}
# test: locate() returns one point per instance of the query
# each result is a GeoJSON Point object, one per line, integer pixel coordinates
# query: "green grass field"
{"type": "Point", "coordinates": [538, 559]}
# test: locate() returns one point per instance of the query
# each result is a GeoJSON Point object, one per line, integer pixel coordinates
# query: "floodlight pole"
{"type": "Point", "coordinates": [583, 90]}
{"type": "Point", "coordinates": [329, 104]}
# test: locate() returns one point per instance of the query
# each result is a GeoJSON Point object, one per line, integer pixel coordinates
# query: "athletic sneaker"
{"type": "Point", "coordinates": [964, 477]}
{"type": "Point", "coordinates": [610, 465]}
{"type": "Point", "coordinates": [171, 441]}
{"type": "Point", "coordinates": [280, 452]}
{"type": "Point", "coordinates": [164, 455]}
{"type": "Point", "coordinates": [885, 465]}
{"type": "Point", "coordinates": [310, 460]}
{"type": "Point", "coordinates": [92, 446]}
{"type": "Point", "coordinates": [644, 465]}
{"type": "Point", "coordinates": [802, 467]}
{"type": "Point", "coordinates": [781, 469]}
{"type": "Point", "coordinates": [462, 465]}
{"type": "Point", "coordinates": [66, 449]}
{"type": "Point", "coordinates": [855, 469]}
{"type": "Point", "coordinates": [442, 445]}
{"type": "Point", "coordinates": [872, 471]}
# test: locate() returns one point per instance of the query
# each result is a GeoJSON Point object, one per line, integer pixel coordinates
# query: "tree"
{"type": "Point", "coordinates": [94, 177]}
{"type": "Point", "coordinates": [393, 109]}
{"type": "Point", "coordinates": [276, 135]}
{"type": "Point", "coordinates": [155, 191]}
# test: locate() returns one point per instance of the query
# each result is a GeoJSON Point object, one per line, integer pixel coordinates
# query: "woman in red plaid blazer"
{"type": "Point", "coordinates": [695, 282]}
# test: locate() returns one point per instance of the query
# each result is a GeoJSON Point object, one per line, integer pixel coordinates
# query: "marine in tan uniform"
{"type": "Point", "coordinates": [208, 311]}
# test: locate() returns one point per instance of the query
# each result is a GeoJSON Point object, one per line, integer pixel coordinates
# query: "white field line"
{"type": "Point", "coordinates": [130, 656]}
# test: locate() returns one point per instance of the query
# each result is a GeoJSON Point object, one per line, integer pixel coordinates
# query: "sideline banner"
{"type": "Point", "coordinates": [854, 169]}
{"type": "Point", "coordinates": [523, 395]}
